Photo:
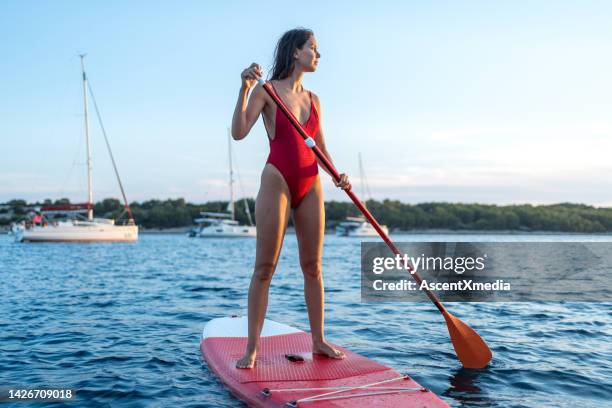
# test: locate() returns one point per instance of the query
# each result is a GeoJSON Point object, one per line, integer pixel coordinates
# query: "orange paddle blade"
{"type": "Point", "coordinates": [471, 349]}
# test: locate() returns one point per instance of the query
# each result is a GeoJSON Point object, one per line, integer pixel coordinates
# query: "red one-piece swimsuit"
{"type": "Point", "coordinates": [289, 154]}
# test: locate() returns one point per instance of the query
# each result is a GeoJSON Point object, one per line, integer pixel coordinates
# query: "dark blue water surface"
{"type": "Point", "coordinates": [121, 324]}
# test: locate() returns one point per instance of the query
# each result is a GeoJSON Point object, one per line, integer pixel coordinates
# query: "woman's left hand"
{"type": "Point", "coordinates": [344, 182]}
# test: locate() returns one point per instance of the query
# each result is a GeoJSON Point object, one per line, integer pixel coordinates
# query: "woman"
{"type": "Point", "coordinates": [289, 181]}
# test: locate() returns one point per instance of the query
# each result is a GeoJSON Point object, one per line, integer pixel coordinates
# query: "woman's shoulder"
{"type": "Point", "coordinates": [315, 99]}
{"type": "Point", "coordinates": [260, 93]}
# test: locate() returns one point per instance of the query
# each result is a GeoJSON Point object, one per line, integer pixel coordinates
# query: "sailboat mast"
{"type": "Point", "coordinates": [362, 177]}
{"type": "Point", "coordinates": [89, 165]}
{"type": "Point", "coordinates": [231, 173]}
{"type": "Point", "coordinates": [365, 186]}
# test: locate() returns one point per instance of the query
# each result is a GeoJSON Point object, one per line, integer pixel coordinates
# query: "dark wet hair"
{"type": "Point", "coordinates": [283, 55]}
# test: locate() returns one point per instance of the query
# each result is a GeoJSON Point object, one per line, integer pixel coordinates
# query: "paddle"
{"type": "Point", "coordinates": [471, 349]}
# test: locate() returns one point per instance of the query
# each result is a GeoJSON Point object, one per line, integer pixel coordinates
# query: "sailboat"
{"type": "Point", "coordinates": [224, 224]}
{"type": "Point", "coordinates": [359, 226]}
{"type": "Point", "coordinates": [79, 223]}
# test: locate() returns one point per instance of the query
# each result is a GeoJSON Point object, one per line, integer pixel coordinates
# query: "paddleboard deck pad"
{"type": "Point", "coordinates": [287, 374]}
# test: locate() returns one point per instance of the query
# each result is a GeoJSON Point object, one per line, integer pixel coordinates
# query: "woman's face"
{"type": "Point", "coordinates": [308, 57]}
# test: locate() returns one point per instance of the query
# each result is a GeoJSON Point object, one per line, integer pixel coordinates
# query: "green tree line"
{"type": "Point", "coordinates": [172, 213]}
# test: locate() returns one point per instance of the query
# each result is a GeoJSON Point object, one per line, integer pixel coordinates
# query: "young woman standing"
{"type": "Point", "coordinates": [289, 181]}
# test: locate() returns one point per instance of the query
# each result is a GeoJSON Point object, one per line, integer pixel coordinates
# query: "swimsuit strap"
{"type": "Point", "coordinates": [274, 89]}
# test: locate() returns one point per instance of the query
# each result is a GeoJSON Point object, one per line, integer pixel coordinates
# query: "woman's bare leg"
{"type": "Point", "coordinates": [309, 220]}
{"type": "Point", "coordinates": [271, 215]}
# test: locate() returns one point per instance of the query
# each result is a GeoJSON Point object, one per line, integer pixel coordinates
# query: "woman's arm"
{"type": "Point", "coordinates": [248, 109]}
{"type": "Point", "coordinates": [320, 141]}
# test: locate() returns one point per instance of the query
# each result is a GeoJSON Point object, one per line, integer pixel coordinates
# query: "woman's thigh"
{"type": "Point", "coordinates": [271, 215]}
{"type": "Point", "coordinates": [309, 220]}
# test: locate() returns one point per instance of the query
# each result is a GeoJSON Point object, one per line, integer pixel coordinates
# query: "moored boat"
{"type": "Point", "coordinates": [77, 222]}
{"type": "Point", "coordinates": [224, 224]}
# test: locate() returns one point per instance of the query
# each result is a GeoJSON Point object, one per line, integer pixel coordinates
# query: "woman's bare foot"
{"type": "Point", "coordinates": [247, 361]}
{"type": "Point", "coordinates": [323, 348]}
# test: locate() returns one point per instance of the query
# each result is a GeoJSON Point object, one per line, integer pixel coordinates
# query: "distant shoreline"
{"type": "Point", "coordinates": [329, 231]}
{"type": "Point", "coordinates": [176, 216]}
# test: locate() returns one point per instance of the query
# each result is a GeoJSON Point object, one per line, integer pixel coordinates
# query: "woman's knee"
{"type": "Point", "coordinates": [311, 268]}
{"type": "Point", "coordinates": [264, 271]}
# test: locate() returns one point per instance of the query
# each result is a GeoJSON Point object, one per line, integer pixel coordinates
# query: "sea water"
{"type": "Point", "coordinates": [121, 324]}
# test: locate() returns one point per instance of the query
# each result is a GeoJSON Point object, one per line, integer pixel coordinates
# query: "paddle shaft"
{"type": "Point", "coordinates": [330, 167]}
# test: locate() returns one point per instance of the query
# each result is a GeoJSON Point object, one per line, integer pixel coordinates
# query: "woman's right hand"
{"type": "Point", "coordinates": [251, 75]}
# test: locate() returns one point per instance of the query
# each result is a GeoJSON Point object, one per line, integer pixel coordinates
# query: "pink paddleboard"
{"type": "Point", "coordinates": [288, 375]}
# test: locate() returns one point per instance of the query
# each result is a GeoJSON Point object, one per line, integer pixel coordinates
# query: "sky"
{"type": "Point", "coordinates": [504, 102]}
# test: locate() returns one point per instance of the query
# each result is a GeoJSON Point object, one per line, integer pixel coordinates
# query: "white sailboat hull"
{"type": "Point", "coordinates": [363, 229]}
{"type": "Point", "coordinates": [227, 231]}
{"type": "Point", "coordinates": [78, 232]}
{"type": "Point", "coordinates": [367, 231]}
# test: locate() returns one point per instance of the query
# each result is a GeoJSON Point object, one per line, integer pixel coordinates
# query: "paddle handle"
{"type": "Point", "coordinates": [330, 167]}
